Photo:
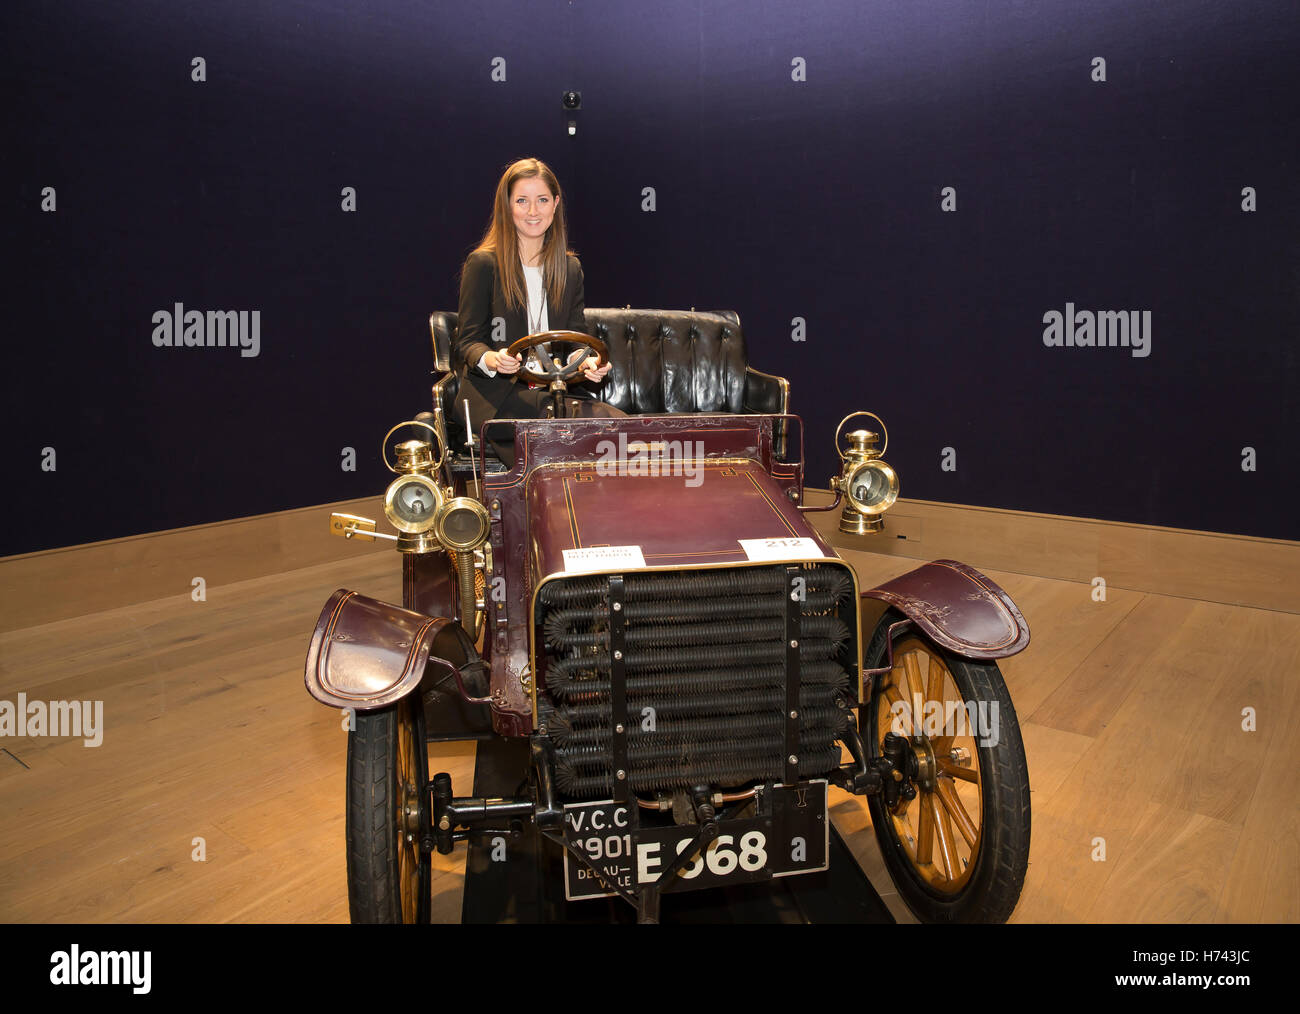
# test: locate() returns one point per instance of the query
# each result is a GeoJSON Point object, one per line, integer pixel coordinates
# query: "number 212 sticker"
{"type": "Point", "coordinates": [781, 549]}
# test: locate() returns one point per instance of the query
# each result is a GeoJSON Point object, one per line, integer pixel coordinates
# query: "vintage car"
{"type": "Point", "coordinates": [681, 663]}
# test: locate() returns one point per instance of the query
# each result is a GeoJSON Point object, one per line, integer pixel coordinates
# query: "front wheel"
{"type": "Point", "coordinates": [388, 815]}
{"type": "Point", "coordinates": [958, 849]}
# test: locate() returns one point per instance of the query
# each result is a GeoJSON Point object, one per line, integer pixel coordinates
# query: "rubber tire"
{"type": "Point", "coordinates": [991, 893]}
{"type": "Point", "coordinates": [373, 837]}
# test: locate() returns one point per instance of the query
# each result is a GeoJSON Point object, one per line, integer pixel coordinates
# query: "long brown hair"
{"type": "Point", "coordinates": [502, 240]}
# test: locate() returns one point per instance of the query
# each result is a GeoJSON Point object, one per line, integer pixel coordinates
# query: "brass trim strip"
{"type": "Point", "coordinates": [776, 510]}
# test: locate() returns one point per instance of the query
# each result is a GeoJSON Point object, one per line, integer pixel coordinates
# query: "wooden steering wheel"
{"type": "Point", "coordinates": [554, 373]}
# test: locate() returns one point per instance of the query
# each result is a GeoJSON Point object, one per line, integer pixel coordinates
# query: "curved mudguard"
{"type": "Point", "coordinates": [958, 608]}
{"type": "Point", "coordinates": [366, 654]}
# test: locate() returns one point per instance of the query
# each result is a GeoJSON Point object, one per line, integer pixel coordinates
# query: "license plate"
{"type": "Point", "coordinates": [789, 835]}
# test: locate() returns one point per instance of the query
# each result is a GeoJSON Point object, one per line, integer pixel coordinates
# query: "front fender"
{"type": "Point", "coordinates": [957, 607]}
{"type": "Point", "coordinates": [366, 654]}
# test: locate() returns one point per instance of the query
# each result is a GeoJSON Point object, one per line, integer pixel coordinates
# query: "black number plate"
{"type": "Point", "coordinates": [791, 835]}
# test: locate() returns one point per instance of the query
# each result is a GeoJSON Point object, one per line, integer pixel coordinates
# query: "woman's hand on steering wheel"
{"type": "Point", "coordinates": [502, 362]}
{"type": "Point", "coordinates": [591, 367]}
{"type": "Point", "coordinates": [551, 371]}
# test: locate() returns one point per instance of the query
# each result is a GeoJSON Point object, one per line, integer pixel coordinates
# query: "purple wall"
{"type": "Point", "coordinates": [817, 199]}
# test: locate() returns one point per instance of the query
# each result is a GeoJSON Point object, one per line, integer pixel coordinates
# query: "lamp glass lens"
{"type": "Point", "coordinates": [462, 526]}
{"type": "Point", "coordinates": [869, 487]}
{"type": "Point", "coordinates": [414, 503]}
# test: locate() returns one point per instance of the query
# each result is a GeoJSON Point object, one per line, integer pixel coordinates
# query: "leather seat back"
{"type": "Point", "coordinates": [663, 360]}
{"type": "Point", "coordinates": [671, 360]}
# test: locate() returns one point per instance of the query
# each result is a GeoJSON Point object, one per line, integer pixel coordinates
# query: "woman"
{"type": "Point", "coordinates": [521, 279]}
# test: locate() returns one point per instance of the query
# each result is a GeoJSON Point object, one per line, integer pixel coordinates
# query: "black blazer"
{"type": "Point", "coordinates": [480, 301]}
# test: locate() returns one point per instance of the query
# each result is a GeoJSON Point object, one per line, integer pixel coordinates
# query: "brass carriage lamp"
{"type": "Point", "coordinates": [868, 484]}
{"type": "Point", "coordinates": [411, 502]}
{"type": "Point", "coordinates": [431, 518]}
{"type": "Point", "coordinates": [414, 498]}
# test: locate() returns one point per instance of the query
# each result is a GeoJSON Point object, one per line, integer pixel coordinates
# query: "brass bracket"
{"type": "Point", "coordinates": [350, 526]}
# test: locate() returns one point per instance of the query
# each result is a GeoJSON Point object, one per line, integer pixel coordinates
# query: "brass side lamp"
{"type": "Point", "coordinates": [430, 519]}
{"type": "Point", "coordinates": [414, 498]}
{"type": "Point", "coordinates": [869, 485]}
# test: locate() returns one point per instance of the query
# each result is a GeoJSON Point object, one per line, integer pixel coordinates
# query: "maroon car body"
{"type": "Point", "coordinates": [701, 516]}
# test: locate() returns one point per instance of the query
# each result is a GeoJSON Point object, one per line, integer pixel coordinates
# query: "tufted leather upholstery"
{"type": "Point", "coordinates": [663, 361]}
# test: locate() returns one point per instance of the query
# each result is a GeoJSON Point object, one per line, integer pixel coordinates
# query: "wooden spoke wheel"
{"type": "Point", "coordinates": [388, 815]}
{"type": "Point", "coordinates": [958, 849]}
{"type": "Point", "coordinates": [940, 827]}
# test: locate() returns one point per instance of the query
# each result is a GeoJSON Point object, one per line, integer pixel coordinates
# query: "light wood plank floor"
{"type": "Point", "coordinates": [1131, 711]}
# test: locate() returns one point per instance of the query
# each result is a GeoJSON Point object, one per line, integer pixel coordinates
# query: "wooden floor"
{"type": "Point", "coordinates": [1131, 711]}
